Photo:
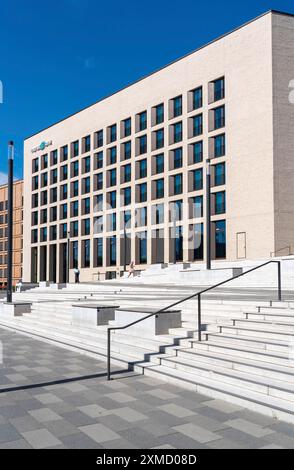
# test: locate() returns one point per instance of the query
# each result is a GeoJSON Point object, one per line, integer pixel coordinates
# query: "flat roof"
{"type": "Point", "coordinates": [14, 182]}
{"type": "Point", "coordinates": [276, 12]}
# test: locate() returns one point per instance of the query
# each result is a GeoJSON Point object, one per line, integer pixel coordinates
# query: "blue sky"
{"type": "Point", "coordinates": [59, 56]}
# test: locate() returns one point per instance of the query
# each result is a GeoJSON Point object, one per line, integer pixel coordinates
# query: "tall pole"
{"type": "Point", "coordinates": [10, 221]}
{"type": "Point", "coordinates": [208, 216]}
{"type": "Point", "coordinates": [125, 247]}
{"type": "Point", "coordinates": [68, 257]}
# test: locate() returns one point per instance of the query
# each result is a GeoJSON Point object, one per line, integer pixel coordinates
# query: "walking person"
{"type": "Point", "coordinates": [77, 275]}
{"type": "Point", "coordinates": [131, 269]}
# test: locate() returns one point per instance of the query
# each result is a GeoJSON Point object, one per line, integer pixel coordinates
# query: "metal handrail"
{"type": "Point", "coordinates": [198, 294]}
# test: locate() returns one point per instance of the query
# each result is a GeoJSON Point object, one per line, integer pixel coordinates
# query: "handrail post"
{"type": "Point", "coordinates": [199, 317]}
{"type": "Point", "coordinates": [108, 353]}
{"type": "Point", "coordinates": [279, 282]}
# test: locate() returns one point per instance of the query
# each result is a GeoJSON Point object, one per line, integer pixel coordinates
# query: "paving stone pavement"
{"type": "Point", "coordinates": [54, 398]}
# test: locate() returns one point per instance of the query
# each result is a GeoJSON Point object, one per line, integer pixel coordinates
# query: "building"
{"type": "Point", "coordinates": [17, 233]}
{"type": "Point", "coordinates": [99, 184]}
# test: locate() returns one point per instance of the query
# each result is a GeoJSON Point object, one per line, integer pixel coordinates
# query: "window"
{"type": "Point", "coordinates": [44, 179]}
{"type": "Point", "coordinates": [176, 210]}
{"type": "Point", "coordinates": [197, 125]}
{"type": "Point", "coordinates": [35, 165]}
{"type": "Point", "coordinates": [98, 203]}
{"type": "Point", "coordinates": [86, 227]}
{"type": "Point", "coordinates": [219, 174]}
{"type": "Point", "coordinates": [143, 121]}
{"type": "Point", "coordinates": [127, 129]}
{"type": "Point", "coordinates": [34, 236]}
{"type": "Point", "coordinates": [159, 163]}
{"type": "Point", "coordinates": [63, 211]}
{"type": "Point", "coordinates": [159, 139]}
{"type": "Point", "coordinates": [63, 173]}
{"type": "Point", "coordinates": [74, 229]}
{"type": "Point", "coordinates": [86, 253]}
{"type": "Point", "coordinates": [35, 218]}
{"type": "Point", "coordinates": [44, 215]}
{"type": "Point", "coordinates": [159, 188]}
{"type": "Point", "coordinates": [54, 157]}
{"type": "Point", "coordinates": [219, 89]}
{"type": "Point", "coordinates": [98, 243]}
{"type": "Point", "coordinates": [86, 185]}
{"type": "Point", "coordinates": [98, 224]}
{"type": "Point", "coordinates": [43, 234]}
{"type": "Point", "coordinates": [112, 155]}
{"type": "Point", "coordinates": [196, 205]}
{"type": "Point", "coordinates": [141, 218]}
{"type": "Point", "coordinates": [179, 243]}
{"type": "Point", "coordinates": [178, 158]}
{"type": "Point", "coordinates": [44, 198]}
{"type": "Point", "coordinates": [127, 196]}
{"type": "Point", "coordinates": [220, 202]}
{"type": "Point", "coordinates": [178, 184]}
{"type": "Point", "coordinates": [127, 150]}
{"type": "Point", "coordinates": [219, 117]}
{"type": "Point", "coordinates": [86, 205]}
{"type": "Point", "coordinates": [86, 165]}
{"type": "Point", "coordinates": [112, 199]}
{"type": "Point", "coordinates": [143, 168]}
{"type": "Point", "coordinates": [220, 239]}
{"type": "Point", "coordinates": [112, 133]}
{"type": "Point", "coordinates": [112, 177]}
{"type": "Point", "coordinates": [159, 214]}
{"type": "Point", "coordinates": [53, 232]}
{"type": "Point", "coordinates": [64, 153]}
{"type": "Point", "coordinates": [75, 209]}
{"type": "Point", "coordinates": [219, 145]}
{"type": "Point", "coordinates": [75, 188]}
{"type": "Point", "coordinates": [111, 222]}
{"type": "Point", "coordinates": [177, 106]}
{"type": "Point", "coordinates": [35, 200]}
{"type": "Point", "coordinates": [197, 98]}
{"type": "Point", "coordinates": [143, 192]}
{"type": "Point", "coordinates": [99, 139]}
{"type": "Point", "coordinates": [177, 132]}
{"type": "Point", "coordinates": [127, 220]}
{"type": "Point", "coordinates": [142, 144]}
{"type": "Point", "coordinates": [99, 181]}
{"type": "Point", "coordinates": [127, 173]}
{"type": "Point", "coordinates": [197, 180]}
{"type": "Point", "coordinates": [75, 254]}
{"type": "Point", "coordinates": [197, 152]}
{"type": "Point", "coordinates": [63, 231]}
{"type": "Point", "coordinates": [142, 247]}
{"type": "Point", "coordinates": [53, 214]}
{"type": "Point", "coordinates": [75, 169]}
{"type": "Point", "coordinates": [87, 144]}
{"type": "Point", "coordinates": [53, 195]}
{"type": "Point", "coordinates": [112, 251]}
{"type": "Point", "coordinates": [75, 148]}
{"type": "Point", "coordinates": [44, 160]}
{"type": "Point", "coordinates": [54, 176]}
{"type": "Point", "coordinates": [63, 192]}
{"type": "Point", "coordinates": [198, 241]}
{"type": "Point", "coordinates": [98, 160]}
{"type": "Point", "coordinates": [35, 183]}
{"type": "Point", "coordinates": [159, 113]}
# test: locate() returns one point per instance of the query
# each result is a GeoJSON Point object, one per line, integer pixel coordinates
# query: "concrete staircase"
{"type": "Point", "coordinates": [245, 357]}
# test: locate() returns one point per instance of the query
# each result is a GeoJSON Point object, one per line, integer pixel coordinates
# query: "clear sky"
{"type": "Point", "coordinates": [59, 56]}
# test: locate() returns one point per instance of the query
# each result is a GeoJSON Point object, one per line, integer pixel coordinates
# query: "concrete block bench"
{"type": "Point", "coordinates": [15, 309]}
{"type": "Point", "coordinates": [92, 315]}
{"type": "Point", "coordinates": [155, 325]}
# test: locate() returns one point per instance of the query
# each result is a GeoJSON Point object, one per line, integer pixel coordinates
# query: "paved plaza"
{"type": "Point", "coordinates": [54, 398]}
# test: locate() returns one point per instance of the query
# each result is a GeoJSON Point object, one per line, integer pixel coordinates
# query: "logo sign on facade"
{"type": "Point", "coordinates": [42, 146]}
